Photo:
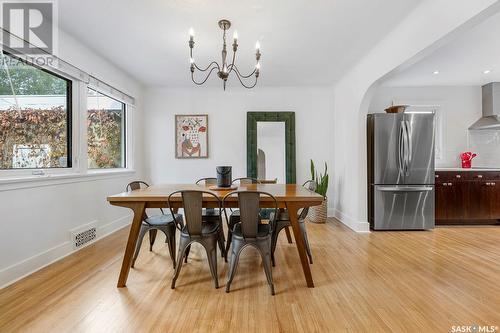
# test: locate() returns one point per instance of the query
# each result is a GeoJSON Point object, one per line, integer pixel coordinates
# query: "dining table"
{"type": "Point", "coordinates": [291, 197]}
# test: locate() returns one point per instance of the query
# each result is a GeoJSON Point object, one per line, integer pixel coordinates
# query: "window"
{"type": "Point", "coordinates": [35, 117]}
{"type": "Point", "coordinates": [105, 131]}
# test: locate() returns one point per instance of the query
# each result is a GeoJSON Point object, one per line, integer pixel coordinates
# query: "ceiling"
{"type": "Point", "coordinates": [461, 62]}
{"type": "Point", "coordinates": [304, 42]}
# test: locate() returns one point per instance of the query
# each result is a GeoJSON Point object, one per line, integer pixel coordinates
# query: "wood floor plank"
{"type": "Point", "coordinates": [376, 282]}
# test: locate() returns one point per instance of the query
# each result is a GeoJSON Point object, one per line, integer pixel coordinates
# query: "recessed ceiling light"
{"type": "Point", "coordinates": [487, 71]}
{"type": "Point", "coordinates": [435, 72]}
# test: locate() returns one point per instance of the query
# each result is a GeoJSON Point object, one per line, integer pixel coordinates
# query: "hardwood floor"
{"type": "Point", "coordinates": [377, 282]}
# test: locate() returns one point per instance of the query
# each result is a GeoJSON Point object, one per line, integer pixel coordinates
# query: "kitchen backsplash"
{"type": "Point", "coordinates": [486, 144]}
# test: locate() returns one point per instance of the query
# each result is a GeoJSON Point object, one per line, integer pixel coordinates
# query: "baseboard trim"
{"type": "Point", "coordinates": [16, 272]}
{"type": "Point", "coordinates": [345, 219]}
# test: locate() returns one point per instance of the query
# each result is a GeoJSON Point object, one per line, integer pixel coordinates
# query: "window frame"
{"type": "Point", "coordinates": [77, 170]}
{"type": "Point", "coordinates": [5, 173]}
{"type": "Point", "coordinates": [124, 136]}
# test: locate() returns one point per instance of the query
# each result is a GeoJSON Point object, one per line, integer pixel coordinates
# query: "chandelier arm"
{"type": "Point", "coordinates": [230, 67]}
{"type": "Point", "coordinates": [208, 67]}
{"type": "Point", "coordinates": [243, 76]}
{"type": "Point", "coordinates": [206, 78]}
{"type": "Point", "coordinates": [239, 79]}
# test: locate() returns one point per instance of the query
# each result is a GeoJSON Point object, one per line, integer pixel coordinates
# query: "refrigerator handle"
{"type": "Point", "coordinates": [401, 150]}
{"type": "Point", "coordinates": [406, 189]}
{"type": "Point", "coordinates": [408, 147]}
{"type": "Point", "coordinates": [404, 148]}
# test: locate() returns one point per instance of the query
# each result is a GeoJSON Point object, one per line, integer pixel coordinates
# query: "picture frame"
{"type": "Point", "coordinates": [191, 136]}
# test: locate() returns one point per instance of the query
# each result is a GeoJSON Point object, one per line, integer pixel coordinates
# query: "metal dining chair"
{"type": "Point", "coordinates": [211, 214]}
{"type": "Point", "coordinates": [283, 221]}
{"type": "Point", "coordinates": [234, 217]}
{"type": "Point", "coordinates": [195, 230]}
{"type": "Point", "coordinates": [151, 224]}
{"type": "Point", "coordinates": [251, 232]}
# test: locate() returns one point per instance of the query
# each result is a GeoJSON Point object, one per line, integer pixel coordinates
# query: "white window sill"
{"type": "Point", "coordinates": [14, 183]}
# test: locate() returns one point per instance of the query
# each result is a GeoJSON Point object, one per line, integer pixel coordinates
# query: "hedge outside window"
{"type": "Point", "coordinates": [35, 117]}
{"type": "Point", "coordinates": [105, 131]}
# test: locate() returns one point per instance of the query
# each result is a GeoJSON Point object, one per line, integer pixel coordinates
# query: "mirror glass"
{"type": "Point", "coordinates": [271, 158]}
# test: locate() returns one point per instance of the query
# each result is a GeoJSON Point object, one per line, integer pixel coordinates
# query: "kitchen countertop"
{"type": "Point", "coordinates": [471, 169]}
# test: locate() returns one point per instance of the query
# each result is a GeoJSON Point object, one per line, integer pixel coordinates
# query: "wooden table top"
{"type": "Point", "coordinates": [282, 192]}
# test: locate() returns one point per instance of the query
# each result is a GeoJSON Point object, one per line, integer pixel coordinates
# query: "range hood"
{"type": "Point", "coordinates": [491, 108]}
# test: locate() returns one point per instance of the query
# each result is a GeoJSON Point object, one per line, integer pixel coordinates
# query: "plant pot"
{"type": "Point", "coordinates": [318, 214]}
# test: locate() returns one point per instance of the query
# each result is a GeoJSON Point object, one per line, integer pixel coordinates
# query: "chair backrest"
{"type": "Point", "coordinates": [245, 181]}
{"type": "Point", "coordinates": [311, 186]}
{"type": "Point", "coordinates": [192, 203]}
{"type": "Point", "coordinates": [135, 185]}
{"type": "Point", "coordinates": [209, 181]}
{"type": "Point", "coordinates": [249, 203]}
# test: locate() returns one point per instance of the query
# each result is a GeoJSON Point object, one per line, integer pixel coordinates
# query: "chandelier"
{"type": "Point", "coordinates": [224, 69]}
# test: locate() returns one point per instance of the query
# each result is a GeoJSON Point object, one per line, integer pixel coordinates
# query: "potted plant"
{"type": "Point", "coordinates": [318, 214]}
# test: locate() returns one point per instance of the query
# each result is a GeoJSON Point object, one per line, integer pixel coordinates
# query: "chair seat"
{"type": "Point", "coordinates": [163, 219]}
{"type": "Point", "coordinates": [283, 216]}
{"type": "Point", "coordinates": [208, 227]}
{"type": "Point", "coordinates": [264, 230]}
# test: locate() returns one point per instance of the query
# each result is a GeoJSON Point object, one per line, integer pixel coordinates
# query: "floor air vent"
{"type": "Point", "coordinates": [83, 235]}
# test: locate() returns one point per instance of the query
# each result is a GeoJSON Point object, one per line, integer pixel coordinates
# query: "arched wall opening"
{"type": "Point", "coordinates": [420, 34]}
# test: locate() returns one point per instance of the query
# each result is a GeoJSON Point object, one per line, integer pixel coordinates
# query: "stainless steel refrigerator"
{"type": "Point", "coordinates": [400, 171]}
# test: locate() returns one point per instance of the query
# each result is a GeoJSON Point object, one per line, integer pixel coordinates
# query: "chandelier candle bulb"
{"type": "Point", "coordinates": [257, 46]}
{"type": "Point", "coordinates": [235, 36]}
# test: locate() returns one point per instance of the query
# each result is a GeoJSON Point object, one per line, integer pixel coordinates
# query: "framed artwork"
{"type": "Point", "coordinates": [191, 136]}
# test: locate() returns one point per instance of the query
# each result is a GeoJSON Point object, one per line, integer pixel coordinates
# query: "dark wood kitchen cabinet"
{"type": "Point", "coordinates": [467, 197]}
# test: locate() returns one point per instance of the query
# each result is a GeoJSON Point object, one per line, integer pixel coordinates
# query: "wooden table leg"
{"type": "Point", "coordinates": [299, 240]}
{"type": "Point", "coordinates": [138, 209]}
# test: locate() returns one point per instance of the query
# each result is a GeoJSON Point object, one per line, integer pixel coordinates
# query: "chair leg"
{"type": "Point", "coordinates": [152, 237]}
{"type": "Point", "coordinates": [274, 240]}
{"type": "Point", "coordinates": [142, 233]}
{"type": "Point", "coordinates": [236, 248]}
{"type": "Point", "coordinates": [210, 245]}
{"type": "Point", "coordinates": [229, 239]}
{"type": "Point", "coordinates": [265, 252]}
{"type": "Point", "coordinates": [288, 235]}
{"type": "Point", "coordinates": [222, 246]}
{"type": "Point", "coordinates": [187, 254]}
{"type": "Point", "coordinates": [169, 231]}
{"type": "Point", "coordinates": [306, 241]}
{"type": "Point", "coordinates": [183, 245]}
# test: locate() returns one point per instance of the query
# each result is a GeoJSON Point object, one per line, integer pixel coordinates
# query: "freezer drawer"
{"type": "Point", "coordinates": [403, 207]}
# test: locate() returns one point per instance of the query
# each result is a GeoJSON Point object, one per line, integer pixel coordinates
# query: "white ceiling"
{"type": "Point", "coordinates": [304, 42]}
{"type": "Point", "coordinates": [461, 62]}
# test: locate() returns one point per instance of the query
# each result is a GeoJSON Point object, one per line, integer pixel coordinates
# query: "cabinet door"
{"type": "Point", "coordinates": [457, 198]}
{"type": "Point", "coordinates": [451, 198]}
{"type": "Point", "coordinates": [494, 200]}
{"type": "Point", "coordinates": [480, 200]}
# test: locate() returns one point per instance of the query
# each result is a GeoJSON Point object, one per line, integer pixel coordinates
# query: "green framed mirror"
{"type": "Point", "coordinates": [277, 137]}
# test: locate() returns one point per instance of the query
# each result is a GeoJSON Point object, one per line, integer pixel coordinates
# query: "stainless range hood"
{"type": "Point", "coordinates": [491, 108]}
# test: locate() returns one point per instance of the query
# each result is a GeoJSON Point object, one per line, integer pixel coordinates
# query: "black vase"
{"type": "Point", "coordinates": [224, 176]}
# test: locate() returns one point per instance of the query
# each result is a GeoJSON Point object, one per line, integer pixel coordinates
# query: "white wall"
{"type": "Point", "coordinates": [36, 221]}
{"type": "Point", "coordinates": [431, 24]}
{"type": "Point", "coordinates": [271, 140]}
{"type": "Point", "coordinates": [227, 111]}
{"type": "Point", "coordinates": [459, 108]}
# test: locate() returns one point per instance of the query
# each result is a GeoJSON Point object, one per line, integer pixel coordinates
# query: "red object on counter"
{"type": "Point", "coordinates": [467, 159]}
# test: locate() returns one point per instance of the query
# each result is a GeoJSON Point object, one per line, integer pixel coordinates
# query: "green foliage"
{"type": "Point", "coordinates": [33, 128]}
{"type": "Point", "coordinates": [320, 180]}
{"type": "Point", "coordinates": [28, 80]}
{"type": "Point", "coordinates": [104, 136]}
